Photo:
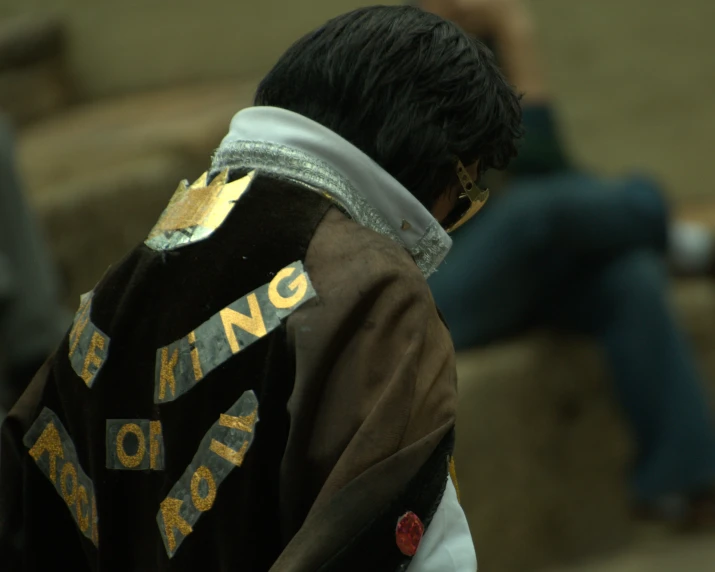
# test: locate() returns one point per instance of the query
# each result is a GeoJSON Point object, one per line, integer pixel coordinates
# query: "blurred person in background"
{"type": "Point", "coordinates": [265, 382]}
{"type": "Point", "coordinates": [32, 321]}
{"type": "Point", "coordinates": [563, 247]}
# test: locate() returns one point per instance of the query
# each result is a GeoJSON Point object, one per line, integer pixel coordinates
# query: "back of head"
{"type": "Point", "coordinates": [409, 89]}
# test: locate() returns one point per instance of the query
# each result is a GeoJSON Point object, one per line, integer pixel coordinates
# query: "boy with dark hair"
{"type": "Point", "coordinates": [585, 254]}
{"type": "Point", "coordinates": [266, 383]}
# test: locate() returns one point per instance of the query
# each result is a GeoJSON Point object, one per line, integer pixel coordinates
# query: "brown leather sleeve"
{"type": "Point", "coordinates": [375, 389]}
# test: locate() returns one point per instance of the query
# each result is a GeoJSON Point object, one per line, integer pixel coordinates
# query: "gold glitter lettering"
{"type": "Point", "coordinates": [49, 442]}
{"type": "Point", "coordinates": [48, 435]}
{"type": "Point", "coordinates": [203, 503]}
{"type": "Point", "coordinates": [225, 452]}
{"type": "Point", "coordinates": [80, 323]}
{"type": "Point", "coordinates": [130, 461]}
{"type": "Point", "coordinates": [154, 434]}
{"type": "Point", "coordinates": [252, 324]}
{"type": "Point", "coordinates": [172, 519]}
{"type": "Point", "coordinates": [82, 518]}
{"type": "Point", "coordinates": [195, 362]}
{"type": "Point", "coordinates": [166, 374]}
{"type": "Point", "coordinates": [299, 286]}
{"type": "Point", "coordinates": [69, 470]}
{"type": "Point", "coordinates": [92, 358]}
{"type": "Point", "coordinates": [242, 423]}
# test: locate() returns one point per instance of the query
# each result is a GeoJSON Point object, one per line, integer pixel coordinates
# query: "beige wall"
{"type": "Point", "coordinates": [635, 82]}
{"type": "Point", "coordinates": [634, 79]}
{"type": "Point", "coordinates": [124, 45]}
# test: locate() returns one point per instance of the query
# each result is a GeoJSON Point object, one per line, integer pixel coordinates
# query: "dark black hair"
{"type": "Point", "coordinates": [411, 90]}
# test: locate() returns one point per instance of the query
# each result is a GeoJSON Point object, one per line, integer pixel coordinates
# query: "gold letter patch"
{"type": "Point", "coordinates": [52, 449]}
{"type": "Point", "coordinates": [195, 492]}
{"type": "Point", "coordinates": [88, 345]}
{"type": "Point", "coordinates": [180, 365]}
{"type": "Point", "coordinates": [134, 444]}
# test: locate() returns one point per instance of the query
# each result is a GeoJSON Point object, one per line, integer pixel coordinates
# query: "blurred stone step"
{"type": "Point", "coordinates": [542, 451]}
{"type": "Point", "coordinates": [100, 174]}
{"type": "Point", "coordinates": [34, 80]}
{"type": "Point", "coordinates": [655, 550]}
{"type": "Point", "coordinates": [29, 39]}
{"type": "Point", "coordinates": [35, 91]}
{"type": "Point", "coordinates": [702, 211]}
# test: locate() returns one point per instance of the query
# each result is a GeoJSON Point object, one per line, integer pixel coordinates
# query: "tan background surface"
{"type": "Point", "coordinates": [635, 79]}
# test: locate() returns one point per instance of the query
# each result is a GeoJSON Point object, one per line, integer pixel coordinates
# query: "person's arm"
{"type": "Point", "coordinates": [509, 27]}
{"type": "Point", "coordinates": [373, 405]}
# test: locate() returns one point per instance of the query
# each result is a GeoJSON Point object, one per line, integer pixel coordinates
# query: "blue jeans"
{"type": "Point", "coordinates": [584, 254]}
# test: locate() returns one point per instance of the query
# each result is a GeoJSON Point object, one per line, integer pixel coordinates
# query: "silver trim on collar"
{"type": "Point", "coordinates": [287, 145]}
{"type": "Point", "coordinates": [289, 163]}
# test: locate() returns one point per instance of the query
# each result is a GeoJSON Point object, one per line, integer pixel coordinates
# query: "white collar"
{"type": "Point", "coordinates": [284, 144]}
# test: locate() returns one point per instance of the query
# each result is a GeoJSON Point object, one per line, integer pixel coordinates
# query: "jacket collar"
{"type": "Point", "coordinates": [283, 144]}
